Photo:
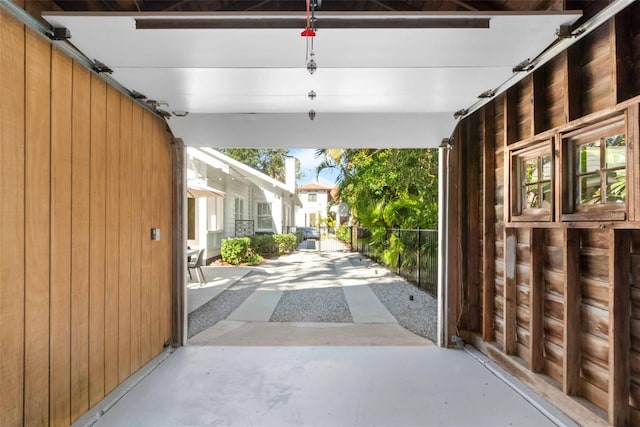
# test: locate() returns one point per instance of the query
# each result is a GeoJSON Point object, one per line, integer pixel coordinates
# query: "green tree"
{"type": "Point", "coordinates": [387, 188]}
{"type": "Point", "coordinates": [269, 161]}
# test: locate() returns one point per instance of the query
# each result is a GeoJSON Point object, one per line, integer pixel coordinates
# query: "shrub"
{"type": "Point", "coordinates": [286, 243]}
{"type": "Point", "coordinates": [237, 250]}
{"type": "Point", "coordinates": [264, 244]}
{"type": "Point", "coordinates": [344, 233]}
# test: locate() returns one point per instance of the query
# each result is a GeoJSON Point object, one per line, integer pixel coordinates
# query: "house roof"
{"type": "Point", "coordinates": [217, 159]}
{"type": "Point", "coordinates": [314, 186]}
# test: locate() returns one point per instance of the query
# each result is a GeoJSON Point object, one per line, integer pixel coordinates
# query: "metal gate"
{"type": "Point", "coordinates": [325, 239]}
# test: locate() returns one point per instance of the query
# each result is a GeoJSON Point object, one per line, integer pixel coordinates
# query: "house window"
{"type": "Point", "coordinates": [532, 183]}
{"type": "Point", "coordinates": [265, 220]}
{"type": "Point", "coordinates": [239, 208]}
{"type": "Point", "coordinates": [312, 197]}
{"type": "Point", "coordinates": [596, 175]}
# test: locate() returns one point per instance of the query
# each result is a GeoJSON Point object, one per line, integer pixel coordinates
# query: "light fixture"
{"type": "Point", "coordinates": [564, 32]}
{"type": "Point", "coordinates": [311, 95]}
{"type": "Point", "coordinates": [312, 114]}
{"type": "Point", "coordinates": [180, 113]}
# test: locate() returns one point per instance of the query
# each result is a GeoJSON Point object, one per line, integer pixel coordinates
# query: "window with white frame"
{"type": "Point", "coordinates": [595, 177]}
{"type": "Point", "coordinates": [265, 219]}
{"type": "Point", "coordinates": [312, 197]}
{"type": "Point", "coordinates": [532, 183]}
{"type": "Point", "coordinates": [239, 208]}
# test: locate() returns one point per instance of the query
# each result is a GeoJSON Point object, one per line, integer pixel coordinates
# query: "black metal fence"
{"type": "Point", "coordinates": [412, 254]}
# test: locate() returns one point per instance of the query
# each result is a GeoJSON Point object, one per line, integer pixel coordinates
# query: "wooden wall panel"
{"type": "Point", "coordinates": [596, 67]}
{"type": "Point", "coordinates": [553, 304]}
{"type": "Point", "coordinates": [62, 240]}
{"type": "Point", "coordinates": [80, 178]}
{"type": "Point", "coordinates": [634, 49]}
{"type": "Point", "coordinates": [131, 244]}
{"type": "Point", "coordinates": [524, 114]}
{"type": "Point", "coordinates": [122, 139]}
{"type": "Point", "coordinates": [114, 306]}
{"type": "Point", "coordinates": [60, 356]}
{"type": "Point", "coordinates": [97, 240]}
{"type": "Point", "coordinates": [37, 227]}
{"type": "Point", "coordinates": [555, 92]}
{"type": "Point", "coordinates": [12, 75]}
{"type": "Point", "coordinates": [143, 235]}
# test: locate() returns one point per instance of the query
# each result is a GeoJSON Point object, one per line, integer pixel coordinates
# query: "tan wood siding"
{"type": "Point", "coordinates": [37, 228]}
{"type": "Point", "coordinates": [74, 233]}
{"type": "Point", "coordinates": [60, 353]}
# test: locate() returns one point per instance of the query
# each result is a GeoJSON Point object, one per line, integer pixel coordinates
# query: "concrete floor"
{"type": "Point", "coordinates": [247, 371]}
{"type": "Point", "coordinates": [324, 386]}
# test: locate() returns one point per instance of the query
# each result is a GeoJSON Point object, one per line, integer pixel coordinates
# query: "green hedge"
{"type": "Point", "coordinates": [344, 233]}
{"type": "Point", "coordinates": [237, 251]}
{"type": "Point", "coordinates": [287, 243]}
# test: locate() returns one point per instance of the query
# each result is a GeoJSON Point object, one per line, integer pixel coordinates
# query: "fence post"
{"type": "Point", "coordinates": [399, 270]}
{"type": "Point", "coordinates": [418, 258]}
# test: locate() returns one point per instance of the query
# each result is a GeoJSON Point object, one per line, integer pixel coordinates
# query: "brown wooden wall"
{"type": "Point", "coordinates": [85, 173]}
{"type": "Point", "coordinates": [558, 302]}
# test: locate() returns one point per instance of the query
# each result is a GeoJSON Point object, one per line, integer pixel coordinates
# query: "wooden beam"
{"type": "Point", "coordinates": [511, 116]}
{"type": "Point", "coordinates": [633, 162]}
{"type": "Point", "coordinates": [178, 288]}
{"type": "Point", "coordinates": [538, 122]}
{"type": "Point", "coordinates": [619, 326]}
{"type": "Point", "coordinates": [572, 301]}
{"type": "Point", "coordinates": [472, 171]}
{"type": "Point", "coordinates": [489, 222]}
{"type": "Point", "coordinates": [510, 290]}
{"type": "Point", "coordinates": [536, 300]}
{"type": "Point", "coordinates": [573, 83]}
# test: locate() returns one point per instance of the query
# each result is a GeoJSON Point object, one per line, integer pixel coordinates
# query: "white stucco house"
{"type": "Point", "coordinates": [315, 200]}
{"type": "Point", "coordinates": [227, 198]}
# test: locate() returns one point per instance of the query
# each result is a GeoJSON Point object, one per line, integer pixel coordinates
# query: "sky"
{"type": "Point", "coordinates": [308, 163]}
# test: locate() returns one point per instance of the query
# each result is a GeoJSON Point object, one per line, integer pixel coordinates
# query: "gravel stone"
{"type": "Point", "coordinates": [324, 304]}
{"type": "Point", "coordinates": [220, 307]}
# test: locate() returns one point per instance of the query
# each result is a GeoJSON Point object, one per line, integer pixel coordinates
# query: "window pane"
{"type": "Point", "coordinates": [531, 196]}
{"type": "Point", "coordinates": [264, 222]}
{"type": "Point", "coordinates": [589, 157]}
{"type": "Point", "coordinates": [616, 186]}
{"type": "Point", "coordinates": [546, 167]}
{"type": "Point", "coordinates": [615, 154]}
{"type": "Point", "coordinates": [545, 188]}
{"type": "Point", "coordinates": [589, 191]}
{"type": "Point", "coordinates": [530, 167]}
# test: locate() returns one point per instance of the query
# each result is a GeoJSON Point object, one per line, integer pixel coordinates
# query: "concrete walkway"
{"type": "Point", "coordinates": [249, 371]}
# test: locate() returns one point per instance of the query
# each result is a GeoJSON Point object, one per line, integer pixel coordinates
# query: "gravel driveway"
{"type": "Point", "coordinates": [312, 293]}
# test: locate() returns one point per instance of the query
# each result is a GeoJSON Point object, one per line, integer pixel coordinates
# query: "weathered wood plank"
{"type": "Point", "coordinates": [80, 191]}
{"type": "Point", "coordinates": [619, 327]}
{"type": "Point", "coordinates": [60, 343]}
{"type": "Point", "coordinates": [571, 366]}
{"type": "Point", "coordinates": [12, 261]}
{"type": "Point", "coordinates": [536, 300]}
{"type": "Point", "coordinates": [97, 240]}
{"type": "Point", "coordinates": [112, 223]}
{"type": "Point", "coordinates": [37, 227]}
{"type": "Point", "coordinates": [472, 156]}
{"type": "Point", "coordinates": [510, 292]}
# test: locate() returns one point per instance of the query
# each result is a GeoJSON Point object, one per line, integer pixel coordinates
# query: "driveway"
{"type": "Point", "coordinates": [315, 298]}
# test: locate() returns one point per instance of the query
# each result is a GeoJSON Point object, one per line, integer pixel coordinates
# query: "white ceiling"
{"type": "Point", "coordinates": [375, 87]}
